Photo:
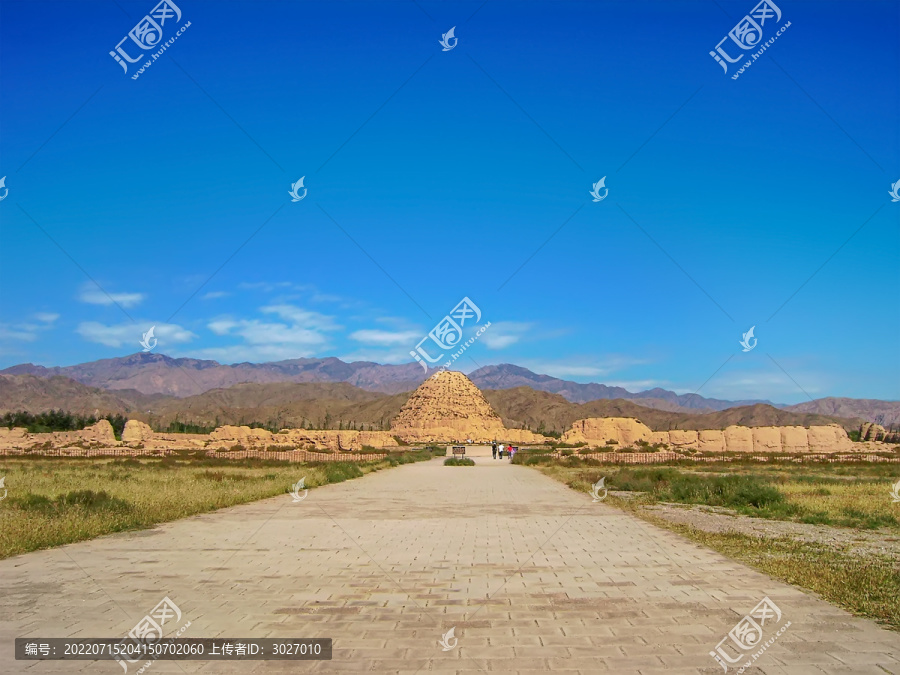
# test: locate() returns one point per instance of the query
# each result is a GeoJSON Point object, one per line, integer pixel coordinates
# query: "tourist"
{"type": "Point", "coordinates": [494, 449]}
{"type": "Point", "coordinates": [501, 451]}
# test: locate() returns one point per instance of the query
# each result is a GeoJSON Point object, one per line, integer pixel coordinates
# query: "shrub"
{"type": "Point", "coordinates": [84, 499]}
{"type": "Point", "coordinates": [530, 459]}
{"type": "Point", "coordinates": [337, 472]}
{"type": "Point", "coordinates": [459, 461]}
{"type": "Point", "coordinates": [748, 494]}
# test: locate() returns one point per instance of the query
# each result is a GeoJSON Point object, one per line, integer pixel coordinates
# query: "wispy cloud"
{"type": "Point", "coordinates": [300, 333]}
{"type": "Point", "coordinates": [18, 332]}
{"type": "Point", "coordinates": [504, 333]}
{"type": "Point", "coordinates": [28, 331]}
{"type": "Point", "coordinates": [213, 295]}
{"type": "Point", "coordinates": [765, 382]}
{"type": "Point", "coordinates": [92, 294]}
{"type": "Point", "coordinates": [299, 316]}
{"type": "Point", "coordinates": [588, 366]}
{"type": "Point", "coordinates": [126, 334]}
{"type": "Point", "coordinates": [386, 338]}
{"type": "Point", "coordinates": [267, 286]}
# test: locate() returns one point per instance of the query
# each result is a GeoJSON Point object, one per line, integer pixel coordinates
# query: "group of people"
{"type": "Point", "coordinates": [501, 448]}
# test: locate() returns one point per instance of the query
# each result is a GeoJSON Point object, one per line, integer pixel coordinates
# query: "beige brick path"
{"type": "Point", "coordinates": [534, 577]}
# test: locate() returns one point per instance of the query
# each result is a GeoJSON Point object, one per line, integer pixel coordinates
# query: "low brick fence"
{"type": "Point", "coordinates": [126, 453]}
{"type": "Point", "coordinates": [300, 455]}
{"type": "Point", "coordinates": [662, 457]}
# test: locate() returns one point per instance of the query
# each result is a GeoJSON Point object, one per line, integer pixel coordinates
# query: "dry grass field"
{"type": "Point", "coordinates": [55, 501]}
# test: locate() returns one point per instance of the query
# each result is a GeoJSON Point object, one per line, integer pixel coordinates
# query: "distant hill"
{"type": "Point", "coordinates": [507, 376]}
{"type": "Point", "coordinates": [158, 374]}
{"type": "Point", "coordinates": [885, 413]}
{"type": "Point", "coordinates": [533, 409]}
{"type": "Point", "coordinates": [318, 404]}
{"type": "Point", "coordinates": [37, 394]}
{"type": "Point", "coordinates": [281, 405]}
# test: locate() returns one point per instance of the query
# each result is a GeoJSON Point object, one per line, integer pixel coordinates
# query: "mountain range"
{"type": "Point", "coordinates": [142, 378]}
{"type": "Point", "coordinates": [340, 405]}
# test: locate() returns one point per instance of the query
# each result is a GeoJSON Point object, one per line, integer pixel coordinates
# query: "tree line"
{"type": "Point", "coordinates": [59, 420]}
{"type": "Point", "coordinates": [63, 420]}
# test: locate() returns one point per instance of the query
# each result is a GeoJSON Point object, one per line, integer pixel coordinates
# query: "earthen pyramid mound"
{"type": "Point", "coordinates": [447, 407]}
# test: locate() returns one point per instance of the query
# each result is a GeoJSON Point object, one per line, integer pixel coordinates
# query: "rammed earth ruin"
{"type": "Point", "coordinates": [449, 408]}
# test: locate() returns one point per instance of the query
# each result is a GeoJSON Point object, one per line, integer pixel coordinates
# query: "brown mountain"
{"type": "Point", "coordinates": [508, 376]}
{"type": "Point", "coordinates": [150, 373]}
{"type": "Point", "coordinates": [37, 394]}
{"type": "Point", "coordinates": [534, 409]}
{"type": "Point", "coordinates": [281, 405]}
{"type": "Point", "coordinates": [885, 413]}
{"type": "Point", "coordinates": [318, 404]}
{"type": "Point", "coordinates": [160, 374]}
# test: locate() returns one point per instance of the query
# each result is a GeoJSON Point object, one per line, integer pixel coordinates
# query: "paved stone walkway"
{"type": "Point", "coordinates": [534, 577]}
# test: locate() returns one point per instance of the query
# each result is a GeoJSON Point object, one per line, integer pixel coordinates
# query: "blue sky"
{"type": "Point", "coordinates": [433, 175]}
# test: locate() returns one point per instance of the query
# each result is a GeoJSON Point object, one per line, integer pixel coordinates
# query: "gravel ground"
{"type": "Point", "coordinates": [720, 520]}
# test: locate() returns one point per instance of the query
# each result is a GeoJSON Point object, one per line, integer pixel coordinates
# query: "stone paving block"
{"type": "Point", "coordinates": [535, 578]}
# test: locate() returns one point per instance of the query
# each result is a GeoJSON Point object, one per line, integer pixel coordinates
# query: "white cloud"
{"type": "Point", "coordinates": [591, 366]}
{"type": "Point", "coordinates": [92, 294]}
{"type": "Point", "coordinates": [117, 335]}
{"type": "Point", "coordinates": [503, 334]}
{"type": "Point", "coordinates": [262, 333]}
{"type": "Point", "coordinates": [213, 295]}
{"type": "Point", "coordinates": [302, 333]}
{"type": "Point", "coordinates": [265, 286]}
{"type": "Point", "coordinates": [386, 338]}
{"type": "Point", "coordinates": [300, 316]}
{"type": "Point", "coordinates": [765, 381]}
{"type": "Point", "coordinates": [222, 326]}
{"type": "Point", "coordinates": [21, 332]}
{"type": "Point", "coordinates": [27, 331]}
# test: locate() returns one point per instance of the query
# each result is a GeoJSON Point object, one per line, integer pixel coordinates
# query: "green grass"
{"type": "Point", "coordinates": [817, 495]}
{"type": "Point", "coordinates": [55, 501]}
{"type": "Point", "coordinates": [459, 461]}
